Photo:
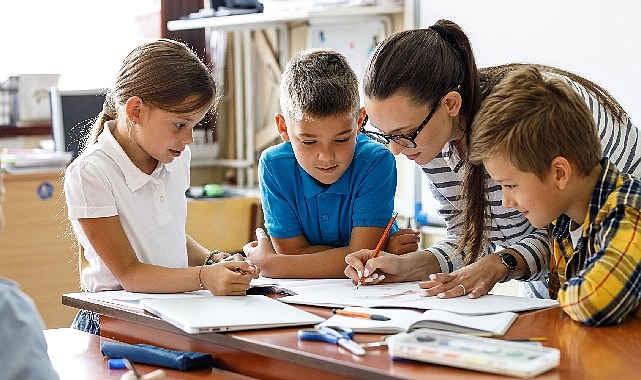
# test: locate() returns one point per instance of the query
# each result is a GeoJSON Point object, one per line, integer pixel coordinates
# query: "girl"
{"type": "Point", "coordinates": [432, 72]}
{"type": "Point", "coordinates": [126, 192]}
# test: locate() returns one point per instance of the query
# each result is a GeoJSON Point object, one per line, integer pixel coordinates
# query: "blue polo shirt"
{"type": "Point", "coordinates": [295, 204]}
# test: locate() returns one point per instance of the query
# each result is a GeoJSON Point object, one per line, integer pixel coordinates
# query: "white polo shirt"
{"type": "Point", "coordinates": [103, 182]}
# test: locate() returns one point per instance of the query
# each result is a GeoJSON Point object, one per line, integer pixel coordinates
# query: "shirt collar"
{"type": "Point", "coordinates": [134, 177]}
{"type": "Point", "coordinates": [451, 154]}
{"type": "Point", "coordinates": [604, 186]}
{"type": "Point", "coordinates": [311, 188]}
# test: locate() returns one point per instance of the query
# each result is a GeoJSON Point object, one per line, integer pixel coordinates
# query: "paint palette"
{"type": "Point", "coordinates": [473, 352]}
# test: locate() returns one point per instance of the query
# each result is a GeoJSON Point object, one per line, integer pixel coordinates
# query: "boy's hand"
{"type": "Point", "coordinates": [403, 241]}
{"type": "Point", "coordinates": [260, 250]}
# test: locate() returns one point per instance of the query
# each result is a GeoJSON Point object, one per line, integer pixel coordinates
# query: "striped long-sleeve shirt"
{"type": "Point", "coordinates": [509, 228]}
{"type": "Point", "coordinates": [599, 282]}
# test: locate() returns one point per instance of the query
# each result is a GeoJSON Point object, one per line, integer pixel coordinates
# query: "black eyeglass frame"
{"type": "Point", "coordinates": [400, 139]}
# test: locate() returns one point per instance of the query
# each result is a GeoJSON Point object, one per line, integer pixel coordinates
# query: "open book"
{"type": "Point", "coordinates": [402, 320]}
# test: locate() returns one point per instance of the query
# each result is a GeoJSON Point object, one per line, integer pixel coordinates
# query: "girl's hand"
{"type": "Point", "coordinates": [228, 278]}
{"type": "Point", "coordinates": [403, 241]}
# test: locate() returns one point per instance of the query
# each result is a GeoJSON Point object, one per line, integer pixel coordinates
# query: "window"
{"type": "Point", "coordinates": [84, 41]}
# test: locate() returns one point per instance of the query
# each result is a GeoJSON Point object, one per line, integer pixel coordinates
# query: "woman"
{"type": "Point", "coordinates": [432, 72]}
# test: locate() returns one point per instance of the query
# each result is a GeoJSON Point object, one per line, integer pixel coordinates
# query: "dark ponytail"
{"type": "Point", "coordinates": [424, 64]}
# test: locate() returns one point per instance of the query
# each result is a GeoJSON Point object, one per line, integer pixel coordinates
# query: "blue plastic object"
{"type": "Point", "coordinates": [323, 334]}
{"type": "Point", "coordinates": [117, 364]}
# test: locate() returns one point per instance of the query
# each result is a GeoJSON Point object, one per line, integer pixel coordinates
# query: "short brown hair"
{"type": "Point", "coordinates": [318, 83]}
{"type": "Point", "coordinates": [530, 119]}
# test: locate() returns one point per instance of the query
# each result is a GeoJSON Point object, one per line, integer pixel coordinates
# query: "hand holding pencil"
{"type": "Point", "coordinates": [379, 246]}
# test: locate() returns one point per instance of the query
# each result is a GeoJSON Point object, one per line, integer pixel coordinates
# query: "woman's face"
{"type": "Point", "coordinates": [397, 115]}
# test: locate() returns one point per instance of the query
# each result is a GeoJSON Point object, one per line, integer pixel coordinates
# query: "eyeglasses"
{"type": "Point", "coordinates": [407, 140]}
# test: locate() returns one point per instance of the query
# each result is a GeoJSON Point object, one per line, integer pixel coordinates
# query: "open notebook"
{"type": "Point", "coordinates": [406, 320]}
{"type": "Point", "coordinates": [227, 313]}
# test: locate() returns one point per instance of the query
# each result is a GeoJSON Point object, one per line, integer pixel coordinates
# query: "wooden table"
{"type": "Point", "coordinates": [586, 352]}
{"type": "Point", "coordinates": [76, 355]}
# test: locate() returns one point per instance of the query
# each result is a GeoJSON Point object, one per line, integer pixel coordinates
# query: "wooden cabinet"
{"type": "Point", "coordinates": [37, 248]}
{"type": "Point", "coordinates": [226, 224]}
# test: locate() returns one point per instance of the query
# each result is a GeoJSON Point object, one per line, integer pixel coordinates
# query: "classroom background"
{"type": "Point", "coordinates": [77, 45]}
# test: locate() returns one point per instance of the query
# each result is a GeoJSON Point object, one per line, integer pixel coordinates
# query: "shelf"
{"type": "Point", "coordinates": [244, 41]}
{"type": "Point", "coordinates": [26, 130]}
{"type": "Point", "coordinates": [270, 19]}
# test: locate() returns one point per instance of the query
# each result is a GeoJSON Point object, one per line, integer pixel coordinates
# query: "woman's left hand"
{"type": "Point", "coordinates": [474, 280]}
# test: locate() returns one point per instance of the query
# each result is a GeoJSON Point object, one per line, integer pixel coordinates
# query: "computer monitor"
{"type": "Point", "coordinates": [72, 116]}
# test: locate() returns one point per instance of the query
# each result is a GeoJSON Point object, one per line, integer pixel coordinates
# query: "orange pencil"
{"type": "Point", "coordinates": [381, 241]}
{"type": "Point", "coordinates": [356, 314]}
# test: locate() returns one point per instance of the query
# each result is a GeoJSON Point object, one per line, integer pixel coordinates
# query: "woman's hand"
{"type": "Point", "coordinates": [383, 268]}
{"type": "Point", "coordinates": [403, 241]}
{"type": "Point", "coordinates": [474, 280]}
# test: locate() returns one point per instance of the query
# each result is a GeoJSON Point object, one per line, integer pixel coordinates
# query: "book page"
{"type": "Point", "coordinates": [399, 320]}
{"type": "Point", "coordinates": [402, 320]}
{"type": "Point", "coordinates": [495, 324]}
{"type": "Point", "coordinates": [409, 295]}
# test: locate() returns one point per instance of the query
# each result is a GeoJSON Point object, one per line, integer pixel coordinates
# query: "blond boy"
{"type": "Point", "coordinates": [537, 139]}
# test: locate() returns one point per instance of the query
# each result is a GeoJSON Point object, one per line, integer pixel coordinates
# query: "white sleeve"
{"type": "Point", "coordinates": [88, 192]}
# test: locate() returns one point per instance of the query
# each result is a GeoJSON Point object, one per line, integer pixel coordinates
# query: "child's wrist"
{"type": "Point", "coordinates": [208, 261]}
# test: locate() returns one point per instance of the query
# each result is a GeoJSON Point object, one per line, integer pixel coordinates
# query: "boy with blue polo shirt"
{"type": "Point", "coordinates": [327, 190]}
{"type": "Point", "coordinates": [536, 138]}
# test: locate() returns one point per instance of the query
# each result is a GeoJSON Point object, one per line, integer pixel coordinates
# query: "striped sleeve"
{"type": "Point", "coordinates": [619, 139]}
{"type": "Point", "coordinates": [444, 187]}
{"type": "Point", "coordinates": [534, 249]}
{"type": "Point", "coordinates": [509, 228]}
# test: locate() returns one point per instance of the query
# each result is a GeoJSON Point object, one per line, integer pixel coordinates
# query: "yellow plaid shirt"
{"type": "Point", "coordinates": [600, 283]}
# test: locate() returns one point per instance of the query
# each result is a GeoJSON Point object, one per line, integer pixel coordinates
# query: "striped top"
{"type": "Point", "coordinates": [509, 228]}
{"type": "Point", "coordinates": [599, 282]}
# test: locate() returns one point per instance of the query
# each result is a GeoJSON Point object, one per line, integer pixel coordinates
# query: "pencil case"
{"type": "Point", "coordinates": [157, 356]}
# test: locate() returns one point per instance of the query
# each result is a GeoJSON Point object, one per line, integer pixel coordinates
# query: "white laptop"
{"type": "Point", "coordinates": [196, 315]}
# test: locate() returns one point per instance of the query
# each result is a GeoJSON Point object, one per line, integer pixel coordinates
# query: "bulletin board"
{"type": "Point", "coordinates": [355, 40]}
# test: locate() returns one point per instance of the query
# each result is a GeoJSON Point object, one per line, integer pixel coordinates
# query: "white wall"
{"type": "Point", "coordinates": [600, 40]}
{"type": "Point", "coordinates": [84, 41]}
